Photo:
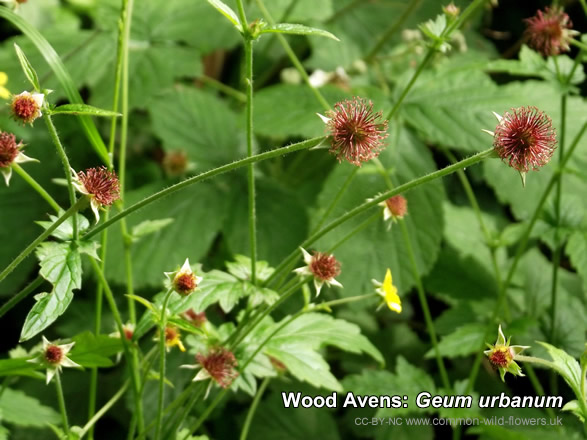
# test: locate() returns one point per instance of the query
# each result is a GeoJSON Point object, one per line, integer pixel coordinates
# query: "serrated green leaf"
{"type": "Point", "coordinates": [61, 265]}
{"type": "Point", "coordinates": [149, 227]}
{"type": "Point", "coordinates": [574, 407]}
{"type": "Point", "coordinates": [92, 350]}
{"type": "Point", "coordinates": [83, 109]}
{"type": "Point", "coordinates": [297, 345]}
{"type": "Point", "coordinates": [170, 246]}
{"type": "Point", "coordinates": [565, 365]}
{"type": "Point", "coordinates": [434, 28]}
{"type": "Point", "coordinates": [297, 29]}
{"type": "Point", "coordinates": [27, 68]}
{"type": "Point", "coordinates": [225, 10]}
{"type": "Point", "coordinates": [463, 341]}
{"type": "Point", "coordinates": [23, 410]}
{"type": "Point", "coordinates": [241, 268]}
{"type": "Point", "coordinates": [407, 380]}
{"type": "Point", "coordinates": [273, 421]}
{"type": "Point", "coordinates": [65, 230]}
{"type": "Point", "coordinates": [218, 286]}
{"type": "Point", "coordinates": [18, 367]}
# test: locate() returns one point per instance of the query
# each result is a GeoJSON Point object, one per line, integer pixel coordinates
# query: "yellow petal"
{"type": "Point", "coordinates": [3, 78]}
{"type": "Point", "coordinates": [4, 93]}
{"type": "Point", "coordinates": [391, 297]}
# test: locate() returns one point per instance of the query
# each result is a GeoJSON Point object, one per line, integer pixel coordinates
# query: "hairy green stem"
{"type": "Point", "coordinates": [66, 167]}
{"type": "Point", "coordinates": [203, 176]}
{"type": "Point", "coordinates": [229, 91]}
{"type": "Point", "coordinates": [35, 185]}
{"type": "Point", "coordinates": [336, 198]}
{"type": "Point", "coordinates": [293, 57]}
{"type": "Point", "coordinates": [115, 398]}
{"type": "Point", "coordinates": [419, 286]}
{"type": "Point", "coordinates": [558, 242]}
{"type": "Point", "coordinates": [61, 401]}
{"type": "Point", "coordinates": [262, 314]}
{"type": "Point", "coordinates": [132, 360]}
{"type": "Point", "coordinates": [397, 25]}
{"type": "Point", "coordinates": [162, 325]}
{"type": "Point", "coordinates": [373, 202]}
{"type": "Point", "coordinates": [253, 408]}
{"type": "Point", "coordinates": [37, 241]}
{"type": "Point", "coordinates": [248, 43]}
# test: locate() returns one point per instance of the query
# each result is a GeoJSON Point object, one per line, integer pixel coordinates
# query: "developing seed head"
{"type": "Point", "coordinates": [175, 163]}
{"type": "Point", "coordinates": [184, 281]}
{"type": "Point", "coordinates": [53, 354]}
{"type": "Point", "coordinates": [324, 266]}
{"type": "Point", "coordinates": [397, 206]}
{"type": "Point", "coordinates": [197, 319]}
{"type": "Point", "coordinates": [500, 357]}
{"type": "Point", "coordinates": [549, 32]}
{"type": "Point", "coordinates": [357, 133]}
{"type": "Point", "coordinates": [220, 364]}
{"type": "Point", "coordinates": [9, 149]}
{"type": "Point", "coordinates": [525, 138]}
{"type": "Point", "coordinates": [101, 184]}
{"type": "Point", "coordinates": [26, 107]}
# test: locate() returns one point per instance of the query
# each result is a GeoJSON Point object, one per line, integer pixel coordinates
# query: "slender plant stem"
{"type": "Point", "coordinates": [368, 221]}
{"type": "Point", "coordinates": [253, 408]}
{"type": "Point", "coordinates": [419, 285]}
{"type": "Point", "coordinates": [66, 167]}
{"type": "Point", "coordinates": [557, 208]}
{"type": "Point", "coordinates": [163, 323]}
{"type": "Point", "coordinates": [35, 185]}
{"type": "Point", "coordinates": [124, 84]}
{"type": "Point", "coordinates": [373, 202]}
{"type": "Point", "coordinates": [262, 314]}
{"type": "Point", "coordinates": [37, 241]}
{"type": "Point", "coordinates": [538, 387]}
{"type": "Point", "coordinates": [349, 299]}
{"type": "Point", "coordinates": [125, 343]}
{"type": "Point", "coordinates": [115, 398]}
{"type": "Point", "coordinates": [61, 401]}
{"type": "Point", "coordinates": [229, 91]}
{"type": "Point", "coordinates": [14, 300]}
{"type": "Point", "coordinates": [337, 198]}
{"type": "Point", "coordinates": [425, 307]}
{"type": "Point", "coordinates": [397, 25]}
{"type": "Point", "coordinates": [203, 176]}
{"type": "Point", "coordinates": [412, 81]}
{"type": "Point", "coordinates": [187, 409]}
{"type": "Point", "coordinates": [293, 57]}
{"type": "Point", "coordinates": [250, 167]}
{"type": "Point", "coordinates": [489, 240]}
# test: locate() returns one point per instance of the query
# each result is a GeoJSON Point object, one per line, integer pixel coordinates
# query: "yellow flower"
{"type": "Point", "coordinates": [389, 292]}
{"type": "Point", "coordinates": [172, 338]}
{"type": "Point", "coordinates": [4, 93]}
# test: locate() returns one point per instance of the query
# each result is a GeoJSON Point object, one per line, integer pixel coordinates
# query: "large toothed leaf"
{"type": "Point", "coordinates": [298, 346]}
{"type": "Point", "coordinates": [92, 350]}
{"type": "Point", "coordinates": [61, 265]}
{"type": "Point", "coordinates": [462, 342]}
{"type": "Point", "coordinates": [22, 410]}
{"type": "Point", "coordinates": [566, 365]}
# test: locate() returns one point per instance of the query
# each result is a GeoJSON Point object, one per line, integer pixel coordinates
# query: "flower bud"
{"type": "Point", "coordinates": [26, 107]}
